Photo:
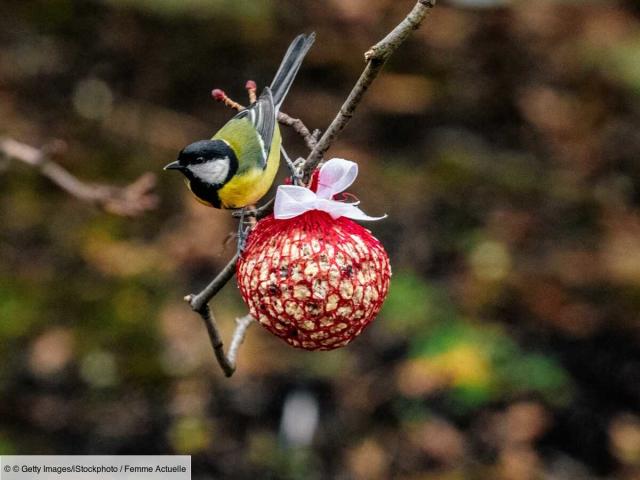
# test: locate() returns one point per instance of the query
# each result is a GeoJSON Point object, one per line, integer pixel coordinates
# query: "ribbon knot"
{"type": "Point", "coordinates": [335, 176]}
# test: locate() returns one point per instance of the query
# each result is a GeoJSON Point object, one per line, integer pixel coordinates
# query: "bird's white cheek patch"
{"type": "Point", "coordinates": [212, 171]}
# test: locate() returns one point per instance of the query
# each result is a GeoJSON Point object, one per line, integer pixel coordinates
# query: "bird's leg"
{"type": "Point", "coordinates": [255, 213]}
{"type": "Point", "coordinates": [290, 164]}
{"type": "Point", "coordinates": [294, 167]}
{"type": "Point", "coordinates": [242, 232]}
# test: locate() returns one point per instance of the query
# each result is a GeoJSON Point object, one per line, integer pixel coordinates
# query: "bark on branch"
{"type": "Point", "coordinates": [226, 362]}
{"type": "Point", "coordinates": [200, 304]}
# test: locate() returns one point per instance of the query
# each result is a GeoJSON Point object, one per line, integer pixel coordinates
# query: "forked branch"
{"type": "Point", "coordinates": [375, 57]}
{"type": "Point", "coordinates": [226, 361]}
{"type": "Point", "coordinates": [200, 304]}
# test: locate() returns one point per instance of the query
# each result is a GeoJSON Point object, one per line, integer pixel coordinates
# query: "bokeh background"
{"type": "Point", "coordinates": [503, 140]}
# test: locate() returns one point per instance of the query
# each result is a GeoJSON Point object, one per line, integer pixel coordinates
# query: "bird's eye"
{"type": "Point", "coordinates": [200, 159]}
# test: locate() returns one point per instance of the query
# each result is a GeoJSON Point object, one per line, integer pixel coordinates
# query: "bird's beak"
{"type": "Point", "coordinates": [173, 166]}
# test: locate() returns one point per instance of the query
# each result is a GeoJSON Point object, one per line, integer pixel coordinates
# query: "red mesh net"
{"type": "Point", "coordinates": [313, 281]}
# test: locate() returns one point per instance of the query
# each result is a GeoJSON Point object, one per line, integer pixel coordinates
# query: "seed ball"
{"type": "Point", "coordinates": [313, 281]}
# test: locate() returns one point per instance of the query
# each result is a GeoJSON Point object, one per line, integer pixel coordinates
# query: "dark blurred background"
{"type": "Point", "coordinates": [503, 141]}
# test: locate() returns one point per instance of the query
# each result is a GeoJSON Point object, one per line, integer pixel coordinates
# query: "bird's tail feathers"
{"type": "Point", "coordinates": [289, 67]}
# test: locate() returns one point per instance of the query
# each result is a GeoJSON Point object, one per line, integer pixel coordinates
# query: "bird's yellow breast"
{"type": "Point", "coordinates": [249, 186]}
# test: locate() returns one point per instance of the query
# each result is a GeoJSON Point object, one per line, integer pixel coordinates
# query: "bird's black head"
{"type": "Point", "coordinates": [208, 165]}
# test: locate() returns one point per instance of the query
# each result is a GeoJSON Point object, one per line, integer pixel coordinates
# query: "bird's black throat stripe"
{"type": "Point", "coordinates": [202, 152]}
{"type": "Point", "coordinates": [207, 192]}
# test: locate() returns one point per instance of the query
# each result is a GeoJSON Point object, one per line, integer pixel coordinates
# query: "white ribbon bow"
{"type": "Point", "coordinates": [335, 176]}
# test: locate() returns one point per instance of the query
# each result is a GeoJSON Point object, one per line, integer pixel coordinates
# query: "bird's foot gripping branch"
{"type": "Point", "coordinates": [355, 296]}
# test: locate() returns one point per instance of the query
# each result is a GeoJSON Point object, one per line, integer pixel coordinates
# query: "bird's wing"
{"type": "Point", "coordinates": [262, 116]}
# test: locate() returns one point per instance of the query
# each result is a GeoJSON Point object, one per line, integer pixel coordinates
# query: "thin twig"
{"type": "Point", "coordinates": [200, 300]}
{"type": "Point", "coordinates": [242, 324]}
{"type": "Point", "coordinates": [310, 139]}
{"type": "Point", "coordinates": [258, 213]}
{"type": "Point", "coordinates": [227, 362]}
{"type": "Point", "coordinates": [296, 124]}
{"type": "Point", "coordinates": [216, 341]}
{"type": "Point", "coordinates": [376, 57]}
{"type": "Point", "coordinates": [220, 96]}
{"type": "Point", "coordinates": [129, 201]}
{"type": "Point", "coordinates": [251, 91]}
{"type": "Point", "coordinates": [389, 44]}
{"type": "Point", "coordinates": [264, 210]}
{"type": "Point", "coordinates": [200, 304]}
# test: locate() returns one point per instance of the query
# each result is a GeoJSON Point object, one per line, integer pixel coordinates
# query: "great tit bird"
{"type": "Point", "coordinates": [238, 165]}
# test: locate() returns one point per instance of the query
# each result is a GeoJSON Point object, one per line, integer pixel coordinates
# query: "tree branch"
{"type": "Point", "coordinates": [300, 128]}
{"type": "Point", "coordinates": [200, 304]}
{"type": "Point", "coordinates": [226, 362]}
{"type": "Point", "coordinates": [242, 324]}
{"type": "Point", "coordinates": [199, 301]}
{"type": "Point", "coordinates": [216, 341]}
{"type": "Point", "coordinates": [257, 213]}
{"type": "Point", "coordinates": [129, 201]}
{"type": "Point", "coordinates": [296, 124]}
{"type": "Point", "coordinates": [375, 57]}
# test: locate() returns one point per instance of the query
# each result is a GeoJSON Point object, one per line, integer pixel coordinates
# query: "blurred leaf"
{"type": "Point", "coordinates": [6, 446]}
{"type": "Point", "coordinates": [536, 373]}
{"type": "Point", "coordinates": [18, 310]}
{"type": "Point", "coordinates": [414, 305]}
{"type": "Point", "coordinates": [620, 61]}
{"type": "Point", "coordinates": [479, 363]}
{"type": "Point", "coordinates": [190, 435]}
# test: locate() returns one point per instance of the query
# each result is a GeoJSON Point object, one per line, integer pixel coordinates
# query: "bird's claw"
{"type": "Point", "coordinates": [246, 212]}
{"type": "Point", "coordinates": [294, 167]}
{"type": "Point", "coordinates": [243, 234]}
